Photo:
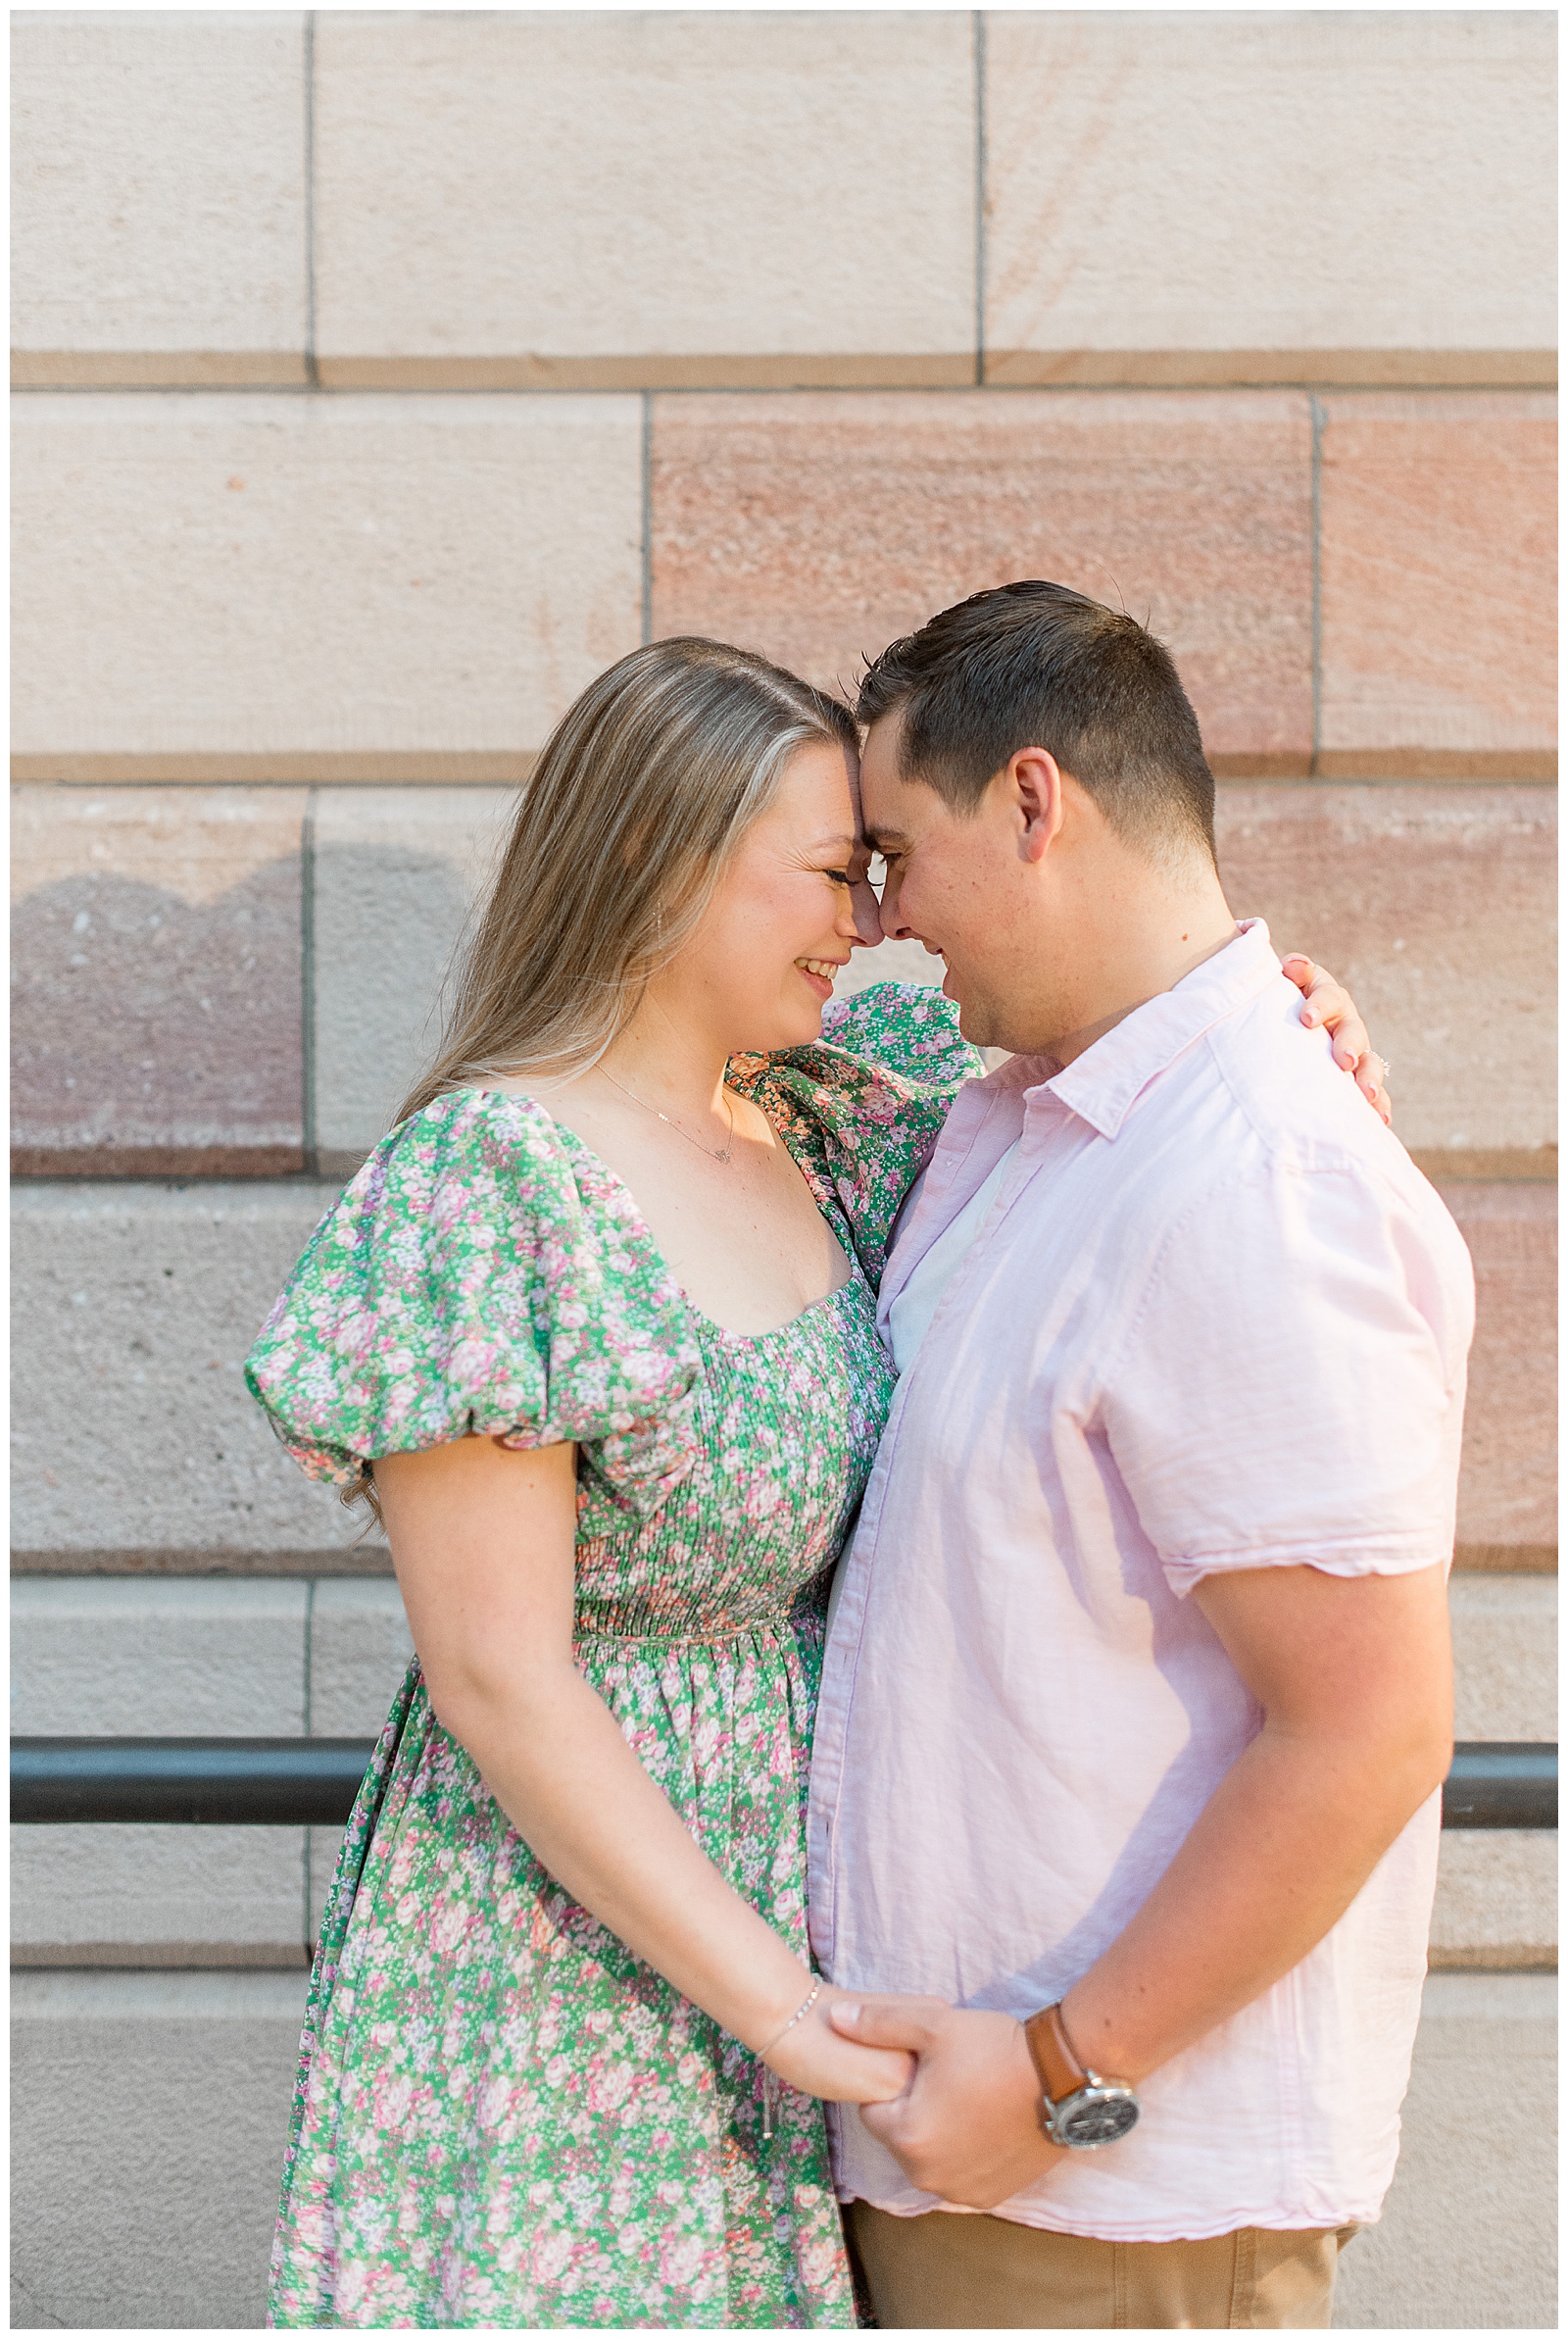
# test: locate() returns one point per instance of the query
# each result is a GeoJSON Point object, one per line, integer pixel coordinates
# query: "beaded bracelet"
{"type": "Point", "coordinates": [769, 2079]}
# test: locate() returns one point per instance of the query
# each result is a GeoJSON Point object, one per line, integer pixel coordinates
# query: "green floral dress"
{"type": "Point", "coordinates": [503, 2117]}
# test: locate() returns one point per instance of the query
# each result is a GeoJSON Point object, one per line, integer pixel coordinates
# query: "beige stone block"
{"type": "Point", "coordinates": [360, 1651]}
{"type": "Point", "coordinates": [150, 2118]}
{"type": "Point", "coordinates": [1467, 2238]}
{"type": "Point", "coordinates": [121, 1658]}
{"type": "Point", "coordinates": [1505, 1656]}
{"type": "Point", "coordinates": [158, 182]}
{"type": "Point", "coordinates": [396, 871]}
{"type": "Point", "coordinates": [156, 1019]}
{"type": "Point", "coordinates": [134, 1310]}
{"type": "Point", "coordinates": [204, 574]}
{"type": "Point", "coordinates": [531, 186]}
{"type": "Point", "coordinates": [1268, 182]}
{"type": "Point", "coordinates": [1436, 906]}
{"type": "Point", "coordinates": [162, 2100]}
{"type": "Point", "coordinates": [1496, 1901]}
{"type": "Point", "coordinates": [156, 1895]}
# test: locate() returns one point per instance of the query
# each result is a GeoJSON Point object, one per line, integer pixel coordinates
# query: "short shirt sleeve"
{"type": "Point", "coordinates": [475, 1279]}
{"type": "Point", "coordinates": [1291, 1389]}
{"type": "Point", "coordinates": [861, 1109]}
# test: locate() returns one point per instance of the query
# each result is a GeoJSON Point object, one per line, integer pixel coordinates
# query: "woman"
{"type": "Point", "coordinates": [593, 1329]}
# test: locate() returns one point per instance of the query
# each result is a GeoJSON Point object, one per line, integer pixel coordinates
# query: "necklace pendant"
{"type": "Point", "coordinates": [642, 1103]}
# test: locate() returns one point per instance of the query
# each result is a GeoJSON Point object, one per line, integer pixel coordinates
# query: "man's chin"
{"type": "Point", "coordinates": [974, 1019]}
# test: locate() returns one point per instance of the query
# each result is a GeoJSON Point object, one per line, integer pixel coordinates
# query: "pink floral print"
{"type": "Point", "coordinates": [503, 2117]}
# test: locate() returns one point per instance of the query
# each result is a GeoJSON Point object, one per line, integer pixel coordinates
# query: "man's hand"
{"type": "Point", "coordinates": [967, 2126]}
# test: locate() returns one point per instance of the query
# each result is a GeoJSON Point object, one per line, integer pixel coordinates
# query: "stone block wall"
{"type": "Point", "coordinates": [382, 377]}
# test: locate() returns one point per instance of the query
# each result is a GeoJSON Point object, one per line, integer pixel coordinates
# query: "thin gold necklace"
{"type": "Point", "coordinates": [676, 1124]}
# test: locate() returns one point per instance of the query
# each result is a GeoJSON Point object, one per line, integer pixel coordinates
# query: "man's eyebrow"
{"type": "Point", "coordinates": [886, 841]}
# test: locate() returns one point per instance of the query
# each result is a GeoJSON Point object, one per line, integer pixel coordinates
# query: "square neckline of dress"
{"type": "Point", "coordinates": [644, 1232]}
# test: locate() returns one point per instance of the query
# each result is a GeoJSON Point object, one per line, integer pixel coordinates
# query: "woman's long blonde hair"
{"type": "Point", "coordinates": [645, 788]}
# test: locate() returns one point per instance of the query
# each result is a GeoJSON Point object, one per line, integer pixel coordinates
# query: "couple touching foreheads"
{"type": "Point", "coordinates": [1075, 1834]}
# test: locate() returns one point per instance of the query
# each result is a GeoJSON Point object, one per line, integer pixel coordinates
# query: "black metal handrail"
{"type": "Point", "coordinates": [1501, 1783]}
{"type": "Point", "coordinates": [258, 1782]}
{"type": "Point", "coordinates": [312, 1782]}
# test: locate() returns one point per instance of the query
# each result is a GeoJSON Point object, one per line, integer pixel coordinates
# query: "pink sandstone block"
{"type": "Point", "coordinates": [1439, 539]}
{"type": "Point", "coordinates": [817, 529]}
{"type": "Point", "coordinates": [1436, 906]}
{"type": "Point", "coordinates": [1508, 1485]}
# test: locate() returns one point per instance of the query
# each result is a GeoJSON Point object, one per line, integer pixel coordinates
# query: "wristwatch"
{"type": "Point", "coordinates": [1078, 2108]}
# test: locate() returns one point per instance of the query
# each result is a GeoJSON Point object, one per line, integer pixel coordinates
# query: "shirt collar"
{"type": "Point", "coordinates": [1100, 1084]}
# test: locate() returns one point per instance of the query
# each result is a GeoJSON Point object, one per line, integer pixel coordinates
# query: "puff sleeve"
{"type": "Point", "coordinates": [909, 1028]}
{"type": "Point", "coordinates": [476, 1277]}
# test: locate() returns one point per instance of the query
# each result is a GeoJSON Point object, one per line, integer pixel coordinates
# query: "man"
{"type": "Point", "coordinates": [1137, 1700]}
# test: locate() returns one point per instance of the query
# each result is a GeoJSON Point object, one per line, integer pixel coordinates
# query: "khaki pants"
{"type": "Point", "coordinates": [942, 2273]}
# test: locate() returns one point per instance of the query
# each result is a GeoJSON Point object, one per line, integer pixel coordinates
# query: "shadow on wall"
{"type": "Point", "coordinates": [156, 1036]}
{"type": "Point", "coordinates": [143, 1023]}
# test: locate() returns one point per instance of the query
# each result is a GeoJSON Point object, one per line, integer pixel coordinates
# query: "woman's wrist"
{"type": "Point", "coordinates": [801, 2015]}
{"type": "Point", "coordinates": [760, 2015]}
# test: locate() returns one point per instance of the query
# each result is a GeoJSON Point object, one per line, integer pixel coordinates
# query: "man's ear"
{"type": "Point", "coordinates": [1034, 783]}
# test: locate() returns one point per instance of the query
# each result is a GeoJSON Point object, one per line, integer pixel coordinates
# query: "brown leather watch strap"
{"type": "Point", "coordinates": [1062, 2074]}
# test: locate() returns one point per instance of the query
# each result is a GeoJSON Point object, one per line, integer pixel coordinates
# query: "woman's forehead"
{"type": "Point", "coordinates": [819, 786]}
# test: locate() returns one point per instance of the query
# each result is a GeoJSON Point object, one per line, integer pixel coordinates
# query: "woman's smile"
{"type": "Point", "coordinates": [819, 974]}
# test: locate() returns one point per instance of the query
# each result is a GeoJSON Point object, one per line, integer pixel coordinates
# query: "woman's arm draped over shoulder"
{"type": "Point", "coordinates": [1330, 1004]}
{"type": "Point", "coordinates": [907, 1029]}
{"type": "Point", "coordinates": [482, 1539]}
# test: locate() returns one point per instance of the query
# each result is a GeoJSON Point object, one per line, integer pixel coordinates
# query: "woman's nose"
{"type": "Point", "coordinates": [864, 925]}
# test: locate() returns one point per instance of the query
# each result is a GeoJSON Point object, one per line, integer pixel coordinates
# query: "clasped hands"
{"type": "Point", "coordinates": [952, 2092]}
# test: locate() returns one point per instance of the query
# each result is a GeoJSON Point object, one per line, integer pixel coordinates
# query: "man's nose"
{"type": "Point", "coordinates": [864, 915]}
{"type": "Point", "coordinates": [893, 926]}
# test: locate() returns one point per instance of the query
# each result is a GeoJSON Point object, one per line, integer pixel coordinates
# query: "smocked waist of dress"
{"type": "Point", "coordinates": [678, 1623]}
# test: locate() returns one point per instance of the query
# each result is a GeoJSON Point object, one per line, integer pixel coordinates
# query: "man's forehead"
{"type": "Point", "coordinates": [890, 803]}
{"type": "Point", "coordinates": [881, 742]}
{"type": "Point", "coordinates": [879, 753]}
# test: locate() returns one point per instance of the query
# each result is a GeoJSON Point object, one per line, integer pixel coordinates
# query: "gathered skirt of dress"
{"type": "Point", "coordinates": [505, 2119]}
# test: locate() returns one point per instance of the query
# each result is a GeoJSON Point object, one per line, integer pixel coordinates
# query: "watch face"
{"type": "Point", "coordinates": [1098, 2116]}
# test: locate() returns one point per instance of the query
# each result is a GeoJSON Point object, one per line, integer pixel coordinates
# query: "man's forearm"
{"type": "Point", "coordinates": [1283, 1847]}
{"type": "Point", "coordinates": [1354, 1680]}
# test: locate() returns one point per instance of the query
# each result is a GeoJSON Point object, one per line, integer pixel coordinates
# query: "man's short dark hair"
{"type": "Point", "coordinates": [1035, 664]}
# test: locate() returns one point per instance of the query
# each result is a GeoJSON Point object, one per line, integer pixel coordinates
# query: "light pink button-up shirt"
{"type": "Point", "coordinates": [1214, 1318]}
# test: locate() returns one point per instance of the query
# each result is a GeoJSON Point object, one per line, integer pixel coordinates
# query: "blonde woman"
{"type": "Point", "coordinates": [593, 1329]}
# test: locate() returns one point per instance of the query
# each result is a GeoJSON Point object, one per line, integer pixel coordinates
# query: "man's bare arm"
{"type": "Point", "coordinates": [1354, 1679]}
